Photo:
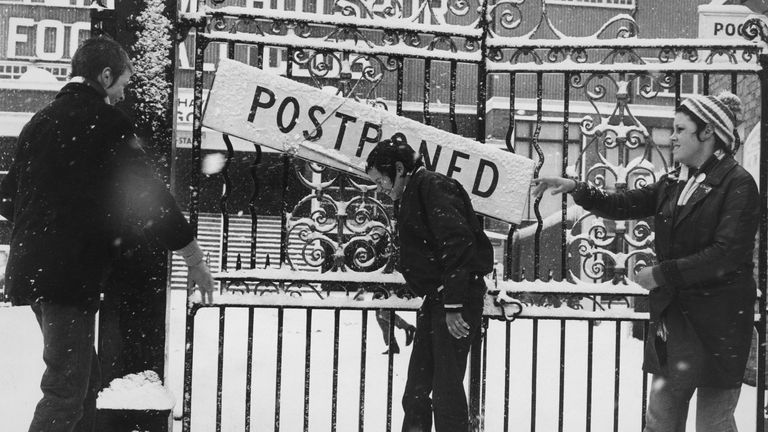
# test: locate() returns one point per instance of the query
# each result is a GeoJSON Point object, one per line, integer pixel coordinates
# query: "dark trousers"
{"type": "Point", "coordinates": [668, 407]}
{"type": "Point", "coordinates": [437, 366]}
{"type": "Point", "coordinates": [71, 380]}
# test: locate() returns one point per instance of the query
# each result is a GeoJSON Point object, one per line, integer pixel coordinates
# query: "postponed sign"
{"type": "Point", "coordinates": [277, 112]}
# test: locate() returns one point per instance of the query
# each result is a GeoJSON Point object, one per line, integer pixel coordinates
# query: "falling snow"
{"type": "Point", "coordinates": [151, 63]}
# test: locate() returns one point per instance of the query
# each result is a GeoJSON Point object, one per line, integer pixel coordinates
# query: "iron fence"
{"type": "Point", "coordinates": [590, 108]}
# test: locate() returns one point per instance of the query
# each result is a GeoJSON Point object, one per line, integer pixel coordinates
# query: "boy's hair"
{"type": "Point", "coordinates": [389, 151]}
{"type": "Point", "coordinates": [98, 53]}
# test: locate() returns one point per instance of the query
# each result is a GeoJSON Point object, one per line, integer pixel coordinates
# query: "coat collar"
{"type": "Point", "coordinates": [412, 180]}
{"type": "Point", "coordinates": [714, 176]}
{"type": "Point", "coordinates": [80, 84]}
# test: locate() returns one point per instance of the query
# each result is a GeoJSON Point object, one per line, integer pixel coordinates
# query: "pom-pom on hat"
{"type": "Point", "coordinates": [720, 111]}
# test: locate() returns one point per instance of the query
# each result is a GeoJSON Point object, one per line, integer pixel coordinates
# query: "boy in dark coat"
{"type": "Point", "coordinates": [444, 254]}
{"type": "Point", "coordinates": [702, 292]}
{"type": "Point", "coordinates": [77, 171]}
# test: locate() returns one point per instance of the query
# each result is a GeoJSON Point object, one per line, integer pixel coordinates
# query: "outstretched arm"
{"type": "Point", "coordinates": [556, 184]}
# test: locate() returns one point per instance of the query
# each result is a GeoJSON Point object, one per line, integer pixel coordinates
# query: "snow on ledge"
{"type": "Point", "coordinates": [378, 277]}
{"type": "Point", "coordinates": [391, 23]}
{"type": "Point", "coordinates": [490, 309]}
{"type": "Point", "coordinates": [140, 391]}
{"type": "Point", "coordinates": [359, 46]}
{"type": "Point", "coordinates": [565, 287]}
{"type": "Point", "coordinates": [310, 300]}
{"type": "Point", "coordinates": [286, 274]}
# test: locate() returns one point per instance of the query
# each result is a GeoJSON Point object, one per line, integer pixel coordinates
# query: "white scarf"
{"type": "Point", "coordinates": [693, 182]}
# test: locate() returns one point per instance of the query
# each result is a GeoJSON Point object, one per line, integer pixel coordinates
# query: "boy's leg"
{"type": "Point", "coordinates": [715, 408]}
{"type": "Point", "coordinates": [417, 404]}
{"type": "Point", "coordinates": [450, 400]}
{"type": "Point", "coordinates": [667, 407]}
{"type": "Point", "coordinates": [68, 333]}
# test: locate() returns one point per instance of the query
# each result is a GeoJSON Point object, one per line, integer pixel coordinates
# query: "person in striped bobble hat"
{"type": "Point", "coordinates": [701, 290]}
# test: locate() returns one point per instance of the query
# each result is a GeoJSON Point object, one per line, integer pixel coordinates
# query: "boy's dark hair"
{"type": "Point", "coordinates": [98, 53]}
{"type": "Point", "coordinates": [700, 125]}
{"type": "Point", "coordinates": [389, 151]}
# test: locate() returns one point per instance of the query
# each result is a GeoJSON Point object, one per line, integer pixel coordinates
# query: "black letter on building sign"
{"type": "Point", "coordinates": [257, 103]}
{"type": "Point", "coordinates": [364, 138]}
{"type": "Point", "coordinates": [478, 178]}
{"type": "Point", "coordinates": [281, 111]}
{"type": "Point", "coordinates": [452, 168]}
{"type": "Point", "coordinates": [429, 163]}
{"type": "Point", "coordinates": [318, 131]}
{"type": "Point", "coordinates": [342, 127]}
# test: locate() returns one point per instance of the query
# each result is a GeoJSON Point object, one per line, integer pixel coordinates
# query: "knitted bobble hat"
{"type": "Point", "coordinates": [720, 111]}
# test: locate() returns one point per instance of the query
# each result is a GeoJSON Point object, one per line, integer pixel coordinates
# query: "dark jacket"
{"type": "Point", "coordinates": [77, 171]}
{"type": "Point", "coordinates": [442, 242]}
{"type": "Point", "coordinates": [707, 292]}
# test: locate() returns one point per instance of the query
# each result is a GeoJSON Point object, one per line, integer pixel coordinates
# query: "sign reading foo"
{"type": "Point", "coordinates": [286, 115]}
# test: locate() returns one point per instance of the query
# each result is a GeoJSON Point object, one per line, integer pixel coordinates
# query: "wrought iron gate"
{"type": "Point", "coordinates": [589, 107]}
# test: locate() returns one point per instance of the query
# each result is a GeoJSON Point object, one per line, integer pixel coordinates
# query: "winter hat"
{"type": "Point", "coordinates": [720, 111]}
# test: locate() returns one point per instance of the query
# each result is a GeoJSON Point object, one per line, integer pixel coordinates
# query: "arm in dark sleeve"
{"type": "Point", "coordinates": [633, 204]}
{"type": "Point", "coordinates": [733, 241]}
{"type": "Point", "coordinates": [8, 193]}
{"type": "Point", "coordinates": [9, 185]}
{"type": "Point", "coordinates": [147, 197]}
{"type": "Point", "coordinates": [454, 240]}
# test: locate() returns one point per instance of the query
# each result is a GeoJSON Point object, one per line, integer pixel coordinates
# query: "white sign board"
{"type": "Point", "coordinates": [723, 21]}
{"type": "Point", "coordinates": [277, 112]}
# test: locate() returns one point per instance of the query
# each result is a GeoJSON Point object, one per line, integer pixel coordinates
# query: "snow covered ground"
{"type": "Point", "coordinates": [21, 367]}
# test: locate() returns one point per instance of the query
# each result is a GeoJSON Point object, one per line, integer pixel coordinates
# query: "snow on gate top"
{"type": "Point", "coordinates": [249, 103]}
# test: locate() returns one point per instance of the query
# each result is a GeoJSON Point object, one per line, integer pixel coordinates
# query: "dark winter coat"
{"type": "Point", "coordinates": [77, 170]}
{"type": "Point", "coordinates": [707, 292]}
{"type": "Point", "coordinates": [442, 242]}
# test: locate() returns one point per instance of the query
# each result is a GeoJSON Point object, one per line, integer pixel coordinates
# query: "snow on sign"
{"type": "Point", "coordinates": [274, 111]}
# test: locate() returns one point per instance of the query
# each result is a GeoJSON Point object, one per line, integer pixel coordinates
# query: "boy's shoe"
{"type": "Point", "coordinates": [395, 350]}
{"type": "Point", "coordinates": [410, 332]}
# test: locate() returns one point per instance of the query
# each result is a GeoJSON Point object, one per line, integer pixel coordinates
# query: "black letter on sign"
{"type": "Point", "coordinates": [429, 163]}
{"type": "Point", "coordinates": [257, 103]}
{"type": "Point", "coordinates": [318, 132]}
{"type": "Point", "coordinates": [494, 181]}
{"type": "Point", "coordinates": [281, 111]}
{"type": "Point", "coordinates": [452, 168]}
{"type": "Point", "coordinates": [364, 138]}
{"type": "Point", "coordinates": [342, 127]}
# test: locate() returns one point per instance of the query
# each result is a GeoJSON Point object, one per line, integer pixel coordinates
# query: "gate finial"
{"type": "Point", "coordinates": [755, 27]}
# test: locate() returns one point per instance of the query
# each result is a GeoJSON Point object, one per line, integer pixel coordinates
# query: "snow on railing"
{"type": "Point", "coordinates": [568, 65]}
{"type": "Point", "coordinates": [500, 294]}
{"type": "Point", "coordinates": [359, 47]}
{"type": "Point", "coordinates": [404, 37]}
{"type": "Point", "coordinates": [286, 274]}
{"type": "Point", "coordinates": [403, 24]}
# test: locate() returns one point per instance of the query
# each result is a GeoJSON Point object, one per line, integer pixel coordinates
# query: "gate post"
{"type": "Point", "coordinates": [762, 260]}
{"type": "Point", "coordinates": [475, 355]}
{"type": "Point", "coordinates": [132, 324]}
{"type": "Point", "coordinates": [757, 28]}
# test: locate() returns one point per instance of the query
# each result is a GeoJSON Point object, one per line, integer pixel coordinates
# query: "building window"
{"type": "Point", "coordinates": [689, 85]}
{"type": "Point", "coordinates": [11, 70]}
{"type": "Point", "coordinates": [614, 4]}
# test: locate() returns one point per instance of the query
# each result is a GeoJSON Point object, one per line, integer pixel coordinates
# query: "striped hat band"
{"type": "Point", "coordinates": [712, 111]}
